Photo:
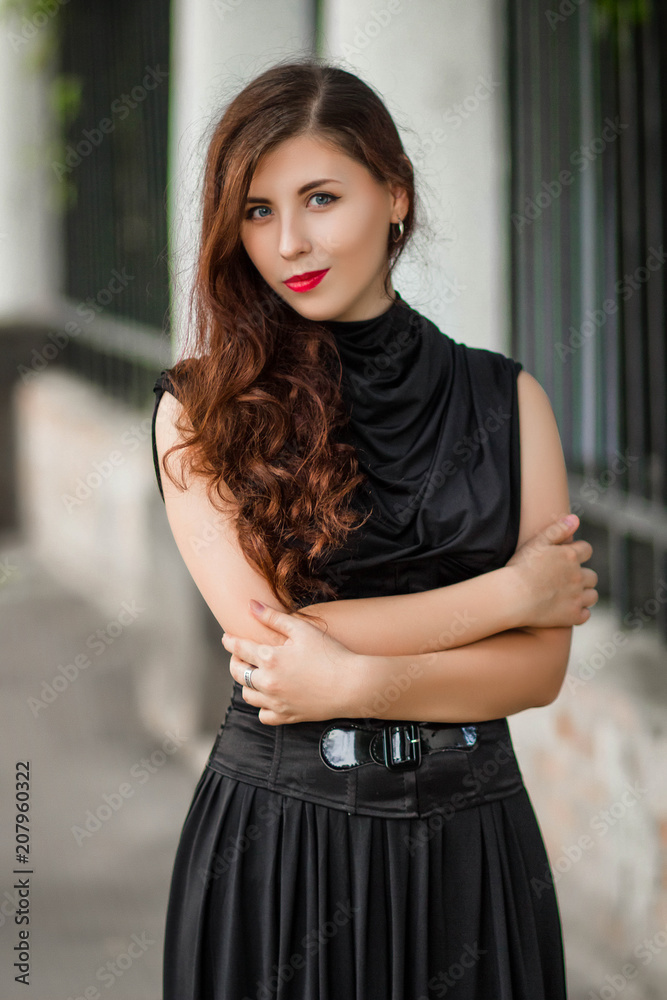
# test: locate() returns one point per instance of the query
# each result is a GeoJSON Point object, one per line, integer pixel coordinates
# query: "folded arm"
{"type": "Point", "coordinates": [489, 677]}
{"type": "Point", "coordinates": [502, 674]}
{"type": "Point", "coordinates": [396, 624]}
{"type": "Point", "coordinates": [442, 618]}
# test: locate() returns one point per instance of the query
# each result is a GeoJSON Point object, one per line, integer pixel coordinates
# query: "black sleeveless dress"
{"type": "Point", "coordinates": [296, 881]}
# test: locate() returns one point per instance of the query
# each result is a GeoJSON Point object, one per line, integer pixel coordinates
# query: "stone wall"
{"type": "Point", "coordinates": [595, 764]}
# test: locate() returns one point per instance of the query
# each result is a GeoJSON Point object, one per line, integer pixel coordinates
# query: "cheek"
{"type": "Point", "coordinates": [331, 240]}
{"type": "Point", "coordinates": [364, 250]}
{"type": "Point", "coordinates": [351, 238]}
{"type": "Point", "coordinates": [261, 256]}
{"type": "Point", "coordinates": [257, 239]}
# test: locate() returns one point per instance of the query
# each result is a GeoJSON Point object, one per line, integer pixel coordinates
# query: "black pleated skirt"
{"type": "Point", "coordinates": [275, 896]}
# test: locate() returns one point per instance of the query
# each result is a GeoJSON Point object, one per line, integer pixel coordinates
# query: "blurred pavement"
{"type": "Point", "coordinates": [101, 864]}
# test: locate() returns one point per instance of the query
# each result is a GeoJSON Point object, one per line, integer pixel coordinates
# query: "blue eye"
{"type": "Point", "coordinates": [318, 194]}
{"type": "Point", "coordinates": [321, 194]}
{"type": "Point", "coordinates": [251, 216]}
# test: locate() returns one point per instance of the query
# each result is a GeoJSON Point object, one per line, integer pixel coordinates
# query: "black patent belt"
{"type": "Point", "coordinates": [402, 774]}
{"type": "Point", "coordinates": [398, 746]}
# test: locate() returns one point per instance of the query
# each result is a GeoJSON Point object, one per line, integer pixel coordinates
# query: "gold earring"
{"type": "Point", "coordinates": [401, 229]}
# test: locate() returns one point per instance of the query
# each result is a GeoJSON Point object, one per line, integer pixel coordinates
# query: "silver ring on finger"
{"type": "Point", "coordinates": [247, 677]}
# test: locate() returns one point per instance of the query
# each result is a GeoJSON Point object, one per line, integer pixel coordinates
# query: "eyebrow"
{"type": "Point", "coordinates": [302, 190]}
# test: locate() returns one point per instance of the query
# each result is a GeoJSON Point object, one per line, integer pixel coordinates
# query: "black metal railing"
{"type": "Point", "coordinates": [588, 106]}
{"type": "Point", "coordinates": [113, 161]}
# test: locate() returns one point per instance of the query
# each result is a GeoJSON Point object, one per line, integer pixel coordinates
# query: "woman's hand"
{"type": "Point", "coordinates": [557, 589]}
{"type": "Point", "coordinates": [309, 678]}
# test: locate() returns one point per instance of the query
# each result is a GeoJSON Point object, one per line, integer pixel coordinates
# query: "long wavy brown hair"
{"type": "Point", "coordinates": [260, 384]}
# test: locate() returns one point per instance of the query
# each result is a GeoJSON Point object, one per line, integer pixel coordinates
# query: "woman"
{"type": "Point", "coordinates": [392, 500]}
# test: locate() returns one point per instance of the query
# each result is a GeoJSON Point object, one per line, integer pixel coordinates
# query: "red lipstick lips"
{"type": "Point", "coordinates": [304, 282]}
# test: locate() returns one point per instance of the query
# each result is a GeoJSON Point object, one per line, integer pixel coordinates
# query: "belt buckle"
{"type": "Point", "coordinates": [401, 746]}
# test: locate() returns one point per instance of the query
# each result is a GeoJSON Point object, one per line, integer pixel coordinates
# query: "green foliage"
{"type": "Point", "coordinates": [618, 17]}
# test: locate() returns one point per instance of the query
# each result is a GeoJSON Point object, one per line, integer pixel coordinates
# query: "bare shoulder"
{"type": "Point", "coordinates": [528, 387]}
{"type": "Point", "coordinates": [206, 536]}
{"type": "Point", "coordinates": [544, 486]}
{"type": "Point", "coordinates": [169, 412]}
{"type": "Point", "coordinates": [536, 416]}
{"type": "Point", "coordinates": [169, 418]}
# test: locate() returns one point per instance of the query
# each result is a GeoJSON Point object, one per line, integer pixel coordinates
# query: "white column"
{"type": "Point", "coordinates": [30, 257]}
{"type": "Point", "coordinates": [439, 65]}
{"type": "Point", "coordinates": [218, 46]}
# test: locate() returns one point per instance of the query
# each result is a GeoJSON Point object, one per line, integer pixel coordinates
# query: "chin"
{"type": "Point", "coordinates": [315, 310]}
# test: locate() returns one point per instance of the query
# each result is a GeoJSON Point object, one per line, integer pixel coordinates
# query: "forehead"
{"type": "Point", "coordinates": [301, 159]}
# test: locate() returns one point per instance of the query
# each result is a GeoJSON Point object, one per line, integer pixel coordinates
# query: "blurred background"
{"type": "Point", "coordinates": [538, 132]}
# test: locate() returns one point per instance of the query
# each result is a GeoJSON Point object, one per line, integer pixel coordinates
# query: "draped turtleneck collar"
{"type": "Point", "coordinates": [434, 424]}
{"type": "Point", "coordinates": [358, 338]}
{"type": "Point", "coordinates": [388, 374]}
{"type": "Point", "coordinates": [396, 379]}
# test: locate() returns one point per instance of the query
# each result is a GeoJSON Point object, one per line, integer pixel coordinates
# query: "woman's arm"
{"type": "Point", "coordinates": [499, 675]}
{"type": "Point", "coordinates": [208, 544]}
{"type": "Point", "coordinates": [540, 586]}
{"type": "Point", "coordinates": [441, 618]}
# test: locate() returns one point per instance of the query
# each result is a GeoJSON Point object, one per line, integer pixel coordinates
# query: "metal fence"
{"type": "Point", "coordinates": [113, 164]}
{"type": "Point", "coordinates": [588, 104]}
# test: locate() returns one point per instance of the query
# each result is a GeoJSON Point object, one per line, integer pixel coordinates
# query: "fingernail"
{"type": "Point", "coordinates": [570, 519]}
{"type": "Point", "coordinates": [256, 605]}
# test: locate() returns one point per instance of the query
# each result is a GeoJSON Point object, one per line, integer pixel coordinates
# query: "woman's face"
{"type": "Point", "coordinates": [340, 224]}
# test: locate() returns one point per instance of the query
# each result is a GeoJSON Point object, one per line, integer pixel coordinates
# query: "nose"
{"type": "Point", "coordinates": [293, 239]}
